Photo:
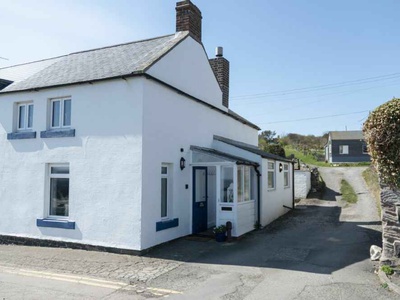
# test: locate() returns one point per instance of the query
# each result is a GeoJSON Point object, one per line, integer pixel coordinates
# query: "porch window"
{"type": "Point", "coordinates": [226, 184]}
{"type": "Point", "coordinates": [286, 181]}
{"type": "Point", "coordinates": [243, 183]}
{"type": "Point", "coordinates": [271, 175]}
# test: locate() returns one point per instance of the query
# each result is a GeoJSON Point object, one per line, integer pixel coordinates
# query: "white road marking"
{"type": "Point", "coordinates": [115, 285]}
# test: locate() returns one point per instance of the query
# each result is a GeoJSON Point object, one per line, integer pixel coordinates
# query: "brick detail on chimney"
{"type": "Point", "coordinates": [220, 66]}
{"type": "Point", "coordinates": [188, 18]}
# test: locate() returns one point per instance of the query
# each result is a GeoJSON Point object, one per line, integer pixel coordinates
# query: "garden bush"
{"type": "Point", "coordinates": [382, 134]}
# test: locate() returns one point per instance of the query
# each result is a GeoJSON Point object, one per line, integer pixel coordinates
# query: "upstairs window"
{"type": "Point", "coordinates": [343, 149]}
{"type": "Point", "coordinates": [271, 175]}
{"type": "Point", "coordinates": [25, 116]}
{"type": "Point", "coordinates": [60, 113]}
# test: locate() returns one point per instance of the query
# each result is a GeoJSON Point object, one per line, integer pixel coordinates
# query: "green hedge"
{"type": "Point", "coordinates": [382, 134]}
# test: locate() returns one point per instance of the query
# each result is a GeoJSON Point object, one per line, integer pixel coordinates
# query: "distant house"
{"type": "Point", "coordinates": [346, 147]}
{"type": "Point", "coordinates": [131, 146]}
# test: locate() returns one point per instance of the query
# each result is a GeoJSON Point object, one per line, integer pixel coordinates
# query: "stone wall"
{"type": "Point", "coordinates": [390, 202]}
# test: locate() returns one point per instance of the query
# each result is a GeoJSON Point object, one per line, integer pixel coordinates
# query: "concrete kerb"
{"type": "Point", "coordinates": [385, 280]}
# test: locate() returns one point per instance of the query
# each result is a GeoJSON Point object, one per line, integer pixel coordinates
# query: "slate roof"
{"type": "Point", "coordinates": [226, 156]}
{"type": "Point", "coordinates": [97, 64]}
{"type": "Point", "coordinates": [250, 148]}
{"type": "Point", "coordinates": [347, 135]}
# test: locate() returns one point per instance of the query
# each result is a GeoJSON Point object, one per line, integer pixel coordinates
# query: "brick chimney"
{"type": "Point", "coordinates": [220, 66]}
{"type": "Point", "coordinates": [188, 18]}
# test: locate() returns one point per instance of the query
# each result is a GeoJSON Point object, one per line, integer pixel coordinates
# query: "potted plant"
{"type": "Point", "coordinates": [220, 233]}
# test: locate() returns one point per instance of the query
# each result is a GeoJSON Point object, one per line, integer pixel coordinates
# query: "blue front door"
{"type": "Point", "coordinates": [199, 199]}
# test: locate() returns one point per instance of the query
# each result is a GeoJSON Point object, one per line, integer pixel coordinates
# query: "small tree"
{"type": "Point", "coordinates": [382, 134]}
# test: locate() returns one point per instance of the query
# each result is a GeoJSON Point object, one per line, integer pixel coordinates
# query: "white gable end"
{"type": "Point", "coordinates": [187, 68]}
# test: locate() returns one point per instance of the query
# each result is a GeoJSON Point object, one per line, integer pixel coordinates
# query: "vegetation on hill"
{"type": "Point", "coordinates": [308, 148]}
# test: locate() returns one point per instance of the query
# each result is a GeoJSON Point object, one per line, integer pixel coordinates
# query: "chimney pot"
{"type": "Point", "coordinates": [219, 52]}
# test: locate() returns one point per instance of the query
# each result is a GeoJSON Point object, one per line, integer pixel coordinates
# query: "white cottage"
{"type": "Point", "coordinates": [129, 146]}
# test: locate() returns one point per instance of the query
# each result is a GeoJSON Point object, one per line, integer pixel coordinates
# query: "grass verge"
{"type": "Point", "coordinates": [371, 179]}
{"type": "Point", "coordinates": [348, 193]}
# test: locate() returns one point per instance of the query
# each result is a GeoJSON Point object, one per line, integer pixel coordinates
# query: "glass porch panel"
{"type": "Point", "coordinates": [59, 197]}
{"type": "Point", "coordinates": [227, 184]}
{"type": "Point", "coordinates": [239, 183]}
{"type": "Point", "coordinates": [198, 157]}
{"type": "Point", "coordinates": [247, 185]}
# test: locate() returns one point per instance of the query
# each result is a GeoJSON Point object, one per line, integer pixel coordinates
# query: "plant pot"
{"type": "Point", "coordinates": [220, 237]}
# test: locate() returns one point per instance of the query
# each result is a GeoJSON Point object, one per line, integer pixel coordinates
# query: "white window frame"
{"type": "Point", "coordinates": [167, 176]}
{"type": "Point", "coordinates": [61, 116]}
{"type": "Point", "coordinates": [273, 171]}
{"type": "Point", "coordinates": [342, 148]}
{"type": "Point", "coordinates": [286, 172]}
{"type": "Point", "coordinates": [26, 116]}
{"type": "Point", "coordinates": [50, 176]}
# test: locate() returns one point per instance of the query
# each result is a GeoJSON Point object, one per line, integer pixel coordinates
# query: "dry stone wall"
{"type": "Point", "coordinates": [390, 202]}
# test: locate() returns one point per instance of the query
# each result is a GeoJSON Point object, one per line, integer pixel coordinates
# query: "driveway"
{"type": "Point", "coordinates": [318, 251]}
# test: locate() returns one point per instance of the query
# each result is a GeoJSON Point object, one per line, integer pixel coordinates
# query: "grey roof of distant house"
{"type": "Point", "coordinates": [97, 64]}
{"type": "Point", "coordinates": [347, 135]}
{"type": "Point", "coordinates": [250, 148]}
{"type": "Point", "coordinates": [226, 156]}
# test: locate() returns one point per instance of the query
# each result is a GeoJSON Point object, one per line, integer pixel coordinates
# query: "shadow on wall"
{"type": "Point", "coordinates": [35, 145]}
{"type": "Point", "coordinates": [75, 234]}
{"type": "Point", "coordinates": [309, 239]}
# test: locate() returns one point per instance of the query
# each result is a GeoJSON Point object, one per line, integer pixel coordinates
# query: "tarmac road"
{"type": "Point", "coordinates": [318, 251]}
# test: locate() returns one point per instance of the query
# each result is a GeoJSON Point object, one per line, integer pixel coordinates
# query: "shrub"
{"type": "Point", "coordinates": [387, 270]}
{"type": "Point", "coordinates": [382, 134]}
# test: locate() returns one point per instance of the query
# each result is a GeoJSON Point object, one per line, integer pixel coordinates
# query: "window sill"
{"type": "Point", "coordinates": [162, 225]}
{"type": "Point", "coordinates": [21, 135]}
{"type": "Point", "coordinates": [59, 133]}
{"type": "Point", "coordinates": [54, 223]}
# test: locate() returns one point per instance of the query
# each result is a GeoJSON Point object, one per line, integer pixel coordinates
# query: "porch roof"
{"type": "Point", "coordinates": [250, 148]}
{"type": "Point", "coordinates": [238, 160]}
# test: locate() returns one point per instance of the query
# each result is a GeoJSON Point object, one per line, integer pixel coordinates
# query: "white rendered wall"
{"type": "Point", "coordinates": [187, 68]}
{"type": "Point", "coordinates": [273, 200]}
{"type": "Point", "coordinates": [173, 122]}
{"type": "Point", "coordinates": [105, 160]}
{"type": "Point", "coordinates": [302, 184]}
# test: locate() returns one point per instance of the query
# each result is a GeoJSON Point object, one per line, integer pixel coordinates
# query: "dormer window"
{"type": "Point", "coordinates": [25, 116]}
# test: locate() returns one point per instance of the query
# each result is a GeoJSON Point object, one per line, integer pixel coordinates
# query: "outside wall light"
{"type": "Point", "coordinates": [280, 167]}
{"type": "Point", "coordinates": [182, 163]}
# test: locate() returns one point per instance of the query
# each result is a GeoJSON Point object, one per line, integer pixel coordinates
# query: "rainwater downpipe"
{"type": "Point", "coordinates": [258, 195]}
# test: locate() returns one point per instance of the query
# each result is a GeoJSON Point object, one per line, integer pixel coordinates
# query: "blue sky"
{"type": "Point", "coordinates": [276, 49]}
